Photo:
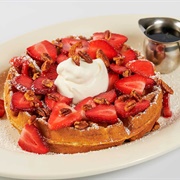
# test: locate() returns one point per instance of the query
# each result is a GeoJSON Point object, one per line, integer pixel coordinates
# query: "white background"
{"type": "Point", "coordinates": [19, 17]}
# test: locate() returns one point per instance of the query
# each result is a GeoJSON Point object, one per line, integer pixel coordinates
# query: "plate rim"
{"type": "Point", "coordinates": [26, 157]}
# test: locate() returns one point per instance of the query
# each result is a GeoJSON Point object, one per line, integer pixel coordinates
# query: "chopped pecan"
{"type": "Point", "coordinates": [130, 105]}
{"type": "Point", "coordinates": [99, 100]}
{"type": "Point", "coordinates": [100, 54]}
{"type": "Point", "coordinates": [46, 57]}
{"type": "Point", "coordinates": [87, 107]}
{"type": "Point", "coordinates": [76, 59]}
{"type": "Point", "coordinates": [44, 112]}
{"type": "Point", "coordinates": [65, 111]}
{"type": "Point", "coordinates": [135, 95]}
{"type": "Point", "coordinates": [29, 95]}
{"type": "Point", "coordinates": [124, 97]}
{"type": "Point", "coordinates": [85, 56]}
{"type": "Point", "coordinates": [156, 126]}
{"type": "Point", "coordinates": [126, 73]}
{"type": "Point", "coordinates": [165, 87]}
{"type": "Point", "coordinates": [53, 97]}
{"type": "Point", "coordinates": [107, 34]}
{"type": "Point", "coordinates": [118, 60]}
{"type": "Point", "coordinates": [80, 125]}
{"type": "Point", "coordinates": [48, 83]}
{"type": "Point", "coordinates": [72, 50]}
{"type": "Point", "coordinates": [46, 65]}
{"type": "Point", "coordinates": [36, 75]}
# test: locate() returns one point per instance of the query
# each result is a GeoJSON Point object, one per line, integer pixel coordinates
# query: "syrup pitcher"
{"type": "Point", "coordinates": [162, 42]}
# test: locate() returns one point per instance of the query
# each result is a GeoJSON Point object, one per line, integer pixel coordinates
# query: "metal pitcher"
{"type": "Point", "coordinates": [162, 42]}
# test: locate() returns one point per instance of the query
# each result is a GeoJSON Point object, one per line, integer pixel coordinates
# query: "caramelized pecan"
{"type": "Point", "coordinates": [76, 59]}
{"type": "Point", "coordinates": [107, 34]}
{"type": "Point", "coordinates": [130, 105]}
{"type": "Point", "coordinates": [118, 60]}
{"type": "Point", "coordinates": [29, 95]}
{"type": "Point", "coordinates": [99, 100]}
{"type": "Point", "coordinates": [100, 54]}
{"type": "Point", "coordinates": [165, 87]}
{"type": "Point", "coordinates": [80, 125]}
{"type": "Point", "coordinates": [72, 50]}
{"type": "Point", "coordinates": [65, 111]}
{"type": "Point", "coordinates": [48, 83]}
{"type": "Point", "coordinates": [85, 56]}
{"type": "Point", "coordinates": [135, 95]}
{"type": "Point", "coordinates": [126, 73]}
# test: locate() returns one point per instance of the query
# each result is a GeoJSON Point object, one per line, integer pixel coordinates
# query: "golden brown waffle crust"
{"type": "Point", "coordinates": [70, 140]}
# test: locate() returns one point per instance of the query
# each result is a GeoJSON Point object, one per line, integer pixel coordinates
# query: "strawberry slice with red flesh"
{"type": "Point", "coordinates": [113, 77]}
{"type": "Point", "coordinates": [2, 110]}
{"type": "Point", "coordinates": [51, 72]}
{"type": "Point", "coordinates": [115, 40]}
{"type": "Point", "coordinates": [166, 111]}
{"type": "Point", "coordinates": [61, 57]}
{"type": "Point", "coordinates": [117, 68]}
{"type": "Point", "coordinates": [139, 107]}
{"type": "Point", "coordinates": [63, 116]}
{"type": "Point", "coordinates": [20, 103]}
{"type": "Point", "coordinates": [129, 55]}
{"type": "Point", "coordinates": [22, 83]}
{"type": "Point", "coordinates": [43, 85]}
{"type": "Point", "coordinates": [108, 50]}
{"type": "Point", "coordinates": [36, 51]}
{"type": "Point", "coordinates": [52, 98]}
{"type": "Point", "coordinates": [69, 41]}
{"type": "Point", "coordinates": [102, 113]}
{"type": "Point", "coordinates": [142, 67]}
{"type": "Point", "coordinates": [109, 96]}
{"type": "Point", "coordinates": [131, 83]}
{"type": "Point", "coordinates": [84, 105]}
{"type": "Point", "coordinates": [32, 141]}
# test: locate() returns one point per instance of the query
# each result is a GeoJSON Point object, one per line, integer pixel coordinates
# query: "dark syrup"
{"type": "Point", "coordinates": [164, 35]}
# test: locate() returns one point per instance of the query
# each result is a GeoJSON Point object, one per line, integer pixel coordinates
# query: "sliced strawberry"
{"type": "Point", "coordinates": [84, 105]}
{"type": "Point", "coordinates": [149, 83]}
{"type": "Point", "coordinates": [51, 72]}
{"type": "Point", "coordinates": [129, 55]}
{"type": "Point", "coordinates": [166, 111]}
{"type": "Point", "coordinates": [113, 77]}
{"type": "Point", "coordinates": [32, 141]}
{"type": "Point", "coordinates": [128, 84]}
{"type": "Point", "coordinates": [43, 85]}
{"type": "Point", "coordinates": [115, 40]}
{"type": "Point", "coordinates": [117, 68]}
{"type": "Point", "coordinates": [109, 96]}
{"type": "Point", "coordinates": [102, 113]}
{"type": "Point", "coordinates": [63, 116]}
{"type": "Point", "coordinates": [69, 41]}
{"type": "Point", "coordinates": [36, 51]}
{"type": "Point", "coordinates": [142, 67]}
{"type": "Point", "coordinates": [2, 110]}
{"type": "Point", "coordinates": [138, 107]}
{"type": "Point", "coordinates": [52, 98]}
{"type": "Point", "coordinates": [22, 83]}
{"type": "Point", "coordinates": [108, 50]}
{"type": "Point", "coordinates": [61, 57]}
{"type": "Point", "coordinates": [20, 103]}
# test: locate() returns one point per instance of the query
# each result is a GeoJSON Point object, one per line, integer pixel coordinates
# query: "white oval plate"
{"type": "Point", "coordinates": [18, 164]}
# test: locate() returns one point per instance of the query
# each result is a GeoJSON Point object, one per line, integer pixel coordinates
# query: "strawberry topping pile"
{"type": "Point", "coordinates": [34, 91]}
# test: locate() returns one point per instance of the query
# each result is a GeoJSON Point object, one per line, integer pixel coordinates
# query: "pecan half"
{"type": "Point", "coordinates": [100, 54]}
{"type": "Point", "coordinates": [44, 112]}
{"type": "Point", "coordinates": [65, 111]}
{"type": "Point", "coordinates": [46, 65]}
{"type": "Point", "coordinates": [80, 125]}
{"type": "Point", "coordinates": [29, 95]}
{"type": "Point", "coordinates": [76, 59]}
{"type": "Point", "coordinates": [130, 105]}
{"type": "Point", "coordinates": [107, 34]}
{"type": "Point", "coordinates": [85, 56]}
{"type": "Point", "coordinates": [165, 87]}
{"type": "Point", "coordinates": [126, 73]}
{"type": "Point", "coordinates": [99, 100]}
{"type": "Point", "coordinates": [47, 83]}
{"type": "Point", "coordinates": [135, 95]}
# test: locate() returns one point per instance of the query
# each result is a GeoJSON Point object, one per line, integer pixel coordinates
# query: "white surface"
{"type": "Point", "coordinates": [20, 17]}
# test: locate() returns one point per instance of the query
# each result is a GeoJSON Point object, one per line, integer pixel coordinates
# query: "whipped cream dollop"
{"type": "Point", "coordinates": [79, 82]}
